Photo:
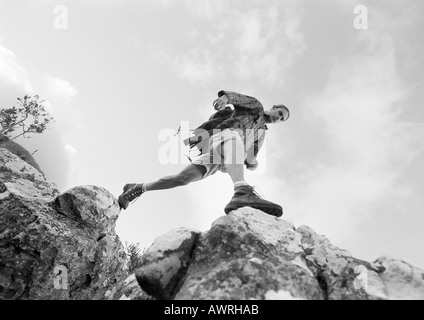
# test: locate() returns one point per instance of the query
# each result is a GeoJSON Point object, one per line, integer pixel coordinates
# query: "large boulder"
{"type": "Point", "coordinates": [93, 206]}
{"type": "Point", "coordinates": [248, 254]}
{"type": "Point", "coordinates": [52, 245]}
{"type": "Point", "coordinates": [63, 246]}
{"type": "Point", "coordinates": [165, 263]}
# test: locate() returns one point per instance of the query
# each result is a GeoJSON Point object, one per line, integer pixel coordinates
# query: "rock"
{"type": "Point", "coordinates": [18, 150]}
{"type": "Point", "coordinates": [402, 281]}
{"type": "Point", "coordinates": [337, 271]}
{"type": "Point", "coordinates": [129, 289]}
{"type": "Point", "coordinates": [251, 255]}
{"type": "Point", "coordinates": [64, 246]}
{"type": "Point", "coordinates": [21, 180]}
{"type": "Point", "coordinates": [164, 264]}
{"type": "Point", "coordinates": [94, 206]}
{"type": "Point", "coordinates": [46, 254]}
{"type": "Point", "coordinates": [345, 277]}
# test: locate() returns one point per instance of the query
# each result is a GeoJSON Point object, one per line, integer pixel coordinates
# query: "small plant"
{"type": "Point", "coordinates": [133, 253]}
{"type": "Point", "coordinates": [29, 117]}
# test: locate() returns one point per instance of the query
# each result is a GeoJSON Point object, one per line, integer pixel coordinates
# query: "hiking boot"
{"type": "Point", "coordinates": [131, 192]}
{"type": "Point", "coordinates": [245, 196]}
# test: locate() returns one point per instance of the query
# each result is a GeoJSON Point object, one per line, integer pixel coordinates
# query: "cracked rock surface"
{"type": "Point", "coordinates": [52, 245]}
{"type": "Point", "coordinates": [49, 239]}
{"type": "Point", "coordinates": [251, 255]}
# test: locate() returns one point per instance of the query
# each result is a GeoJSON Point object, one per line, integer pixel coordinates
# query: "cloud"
{"type": "Point", "coordinates": [266, 42]}
{"type": "Point", "coordinates": [365, 146]}
{"type": "Point", "coordinates": [12, 74]}
{"type": "Point", "coordinates": [197, 66]}
{"type": "Point", "coordinates": [60, 89]}
{"type": "Point", "coordinates": [14, 83]}
{"type": "Point", "coordinates": [245, 42]}
{"type": "Point", "coordinates": [71, 154]}
{"type": "Point", "coordinates": [207, 10]}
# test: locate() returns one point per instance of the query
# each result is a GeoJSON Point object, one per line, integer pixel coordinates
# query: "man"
{"type": "Point", "coordinates": [229, 141]}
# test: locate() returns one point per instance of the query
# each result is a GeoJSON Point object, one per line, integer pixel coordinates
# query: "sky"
{"type": "Point", "coordinates": [120, 77]}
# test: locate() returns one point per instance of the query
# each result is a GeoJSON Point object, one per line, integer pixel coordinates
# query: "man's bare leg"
{"type": "Point", "coordinates": [243, 192]}
{"type": "Point", "coordinates": [233, 152]}
{"type": "Point", "coordinates": [132, 191]}
{"type": "Point", "coordinates": [189, 174]}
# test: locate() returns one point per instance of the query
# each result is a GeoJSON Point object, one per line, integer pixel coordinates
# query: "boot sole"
{"type": "Point", "coordinates": [273, 211]}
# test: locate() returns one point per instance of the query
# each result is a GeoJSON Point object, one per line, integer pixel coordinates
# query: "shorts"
{"type": "Point", "coordinates": [213, 160]}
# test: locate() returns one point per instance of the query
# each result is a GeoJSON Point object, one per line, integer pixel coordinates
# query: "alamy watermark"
{"type": "Point", "coordinates": [361, 281]}
{"type": "Point", "coordinates": [360, 22]}
{"type": "Point", "coordinates": [60, 21]}
{"type": "Point", "coordinates": [222, 147]}
{"type": "Point", "coordinates": [60, 280]}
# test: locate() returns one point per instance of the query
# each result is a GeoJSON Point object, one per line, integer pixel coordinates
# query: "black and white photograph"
{"type": "Point", "coordinates": [225, 152]}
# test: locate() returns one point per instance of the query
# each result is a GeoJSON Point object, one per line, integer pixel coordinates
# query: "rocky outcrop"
{"type": "Point", "coordinates": [251, 255]}
{"type": "Point", "coordinates": [52, 245]}
{"type": "Point", "coordinates": [63, 246]}
{"type": "Point", "coordinates": [18, 150]}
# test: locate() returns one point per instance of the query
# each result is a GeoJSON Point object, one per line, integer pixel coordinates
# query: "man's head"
{"type": "Point", "coordinates": [277, 113]}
